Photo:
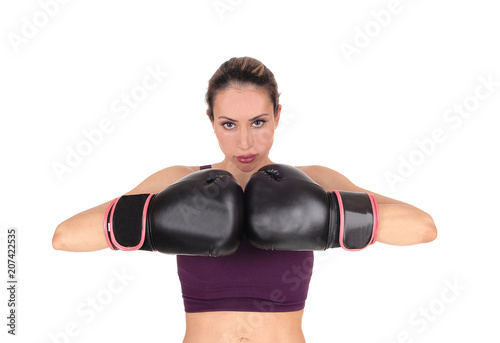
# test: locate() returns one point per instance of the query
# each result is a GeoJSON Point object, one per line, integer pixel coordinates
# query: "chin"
{"type": "Point", "coordinates": [246, 167]}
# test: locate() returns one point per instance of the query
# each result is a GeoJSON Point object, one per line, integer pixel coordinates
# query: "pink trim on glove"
{"type": "Point", "coordinates": [106, 225]}
{"type": "Point", "coordinates": [376, 218]}
{"type": "Point", "coordinates": [341, 215]}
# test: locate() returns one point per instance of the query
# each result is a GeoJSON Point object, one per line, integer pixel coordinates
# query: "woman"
{"type": "Point", "coordinates": [246, 296]}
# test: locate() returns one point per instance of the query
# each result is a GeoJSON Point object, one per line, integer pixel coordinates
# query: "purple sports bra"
{"type": "Point", "coordinates": [251, 280]}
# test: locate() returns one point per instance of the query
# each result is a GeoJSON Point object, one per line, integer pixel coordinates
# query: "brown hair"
{"type": "Point", "coordinates": [242, 71]}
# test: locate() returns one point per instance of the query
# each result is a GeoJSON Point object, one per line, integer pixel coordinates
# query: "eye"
{"type": "Point", "coordinates": [259, 122]}
{"type": "Point", "coordinates": [228, 125]}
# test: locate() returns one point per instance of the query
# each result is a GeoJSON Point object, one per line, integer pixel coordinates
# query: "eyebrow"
{"type": "Point", "coordinates": [252, 119]}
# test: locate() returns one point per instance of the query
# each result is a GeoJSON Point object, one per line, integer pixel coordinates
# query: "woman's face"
{"type": "Point", "coordinates": [244, 124]}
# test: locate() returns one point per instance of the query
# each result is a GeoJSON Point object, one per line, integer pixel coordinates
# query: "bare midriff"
{"type": "Point", "coordinates": [238, 327]}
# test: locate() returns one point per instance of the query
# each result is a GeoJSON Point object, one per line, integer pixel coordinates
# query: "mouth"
{"type": "Point", "coordinates": [246, 158]}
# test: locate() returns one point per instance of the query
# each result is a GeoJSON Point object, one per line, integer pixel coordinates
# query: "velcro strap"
{"type": "Point", "coordinates": [358, 220]}
{"type": "Point", "coordinates": [128, 222]}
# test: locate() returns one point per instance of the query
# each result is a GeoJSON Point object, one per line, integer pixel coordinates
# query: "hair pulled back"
{"type": "Point", "coordinates": [242, 71]}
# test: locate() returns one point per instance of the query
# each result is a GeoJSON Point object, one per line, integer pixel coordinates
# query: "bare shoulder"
{"type": "Point", "coordinates": [328, 178]}
{"type": "Point", "coordinates": [331, 180]}
{"type": "Point", "coordinates": [163, 178]}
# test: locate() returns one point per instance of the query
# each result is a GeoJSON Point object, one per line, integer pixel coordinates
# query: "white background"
{"type": "Point", "coordinates": [360, 115]}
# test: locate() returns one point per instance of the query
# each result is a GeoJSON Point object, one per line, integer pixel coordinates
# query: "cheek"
{"type": "Point", "coordinates": [264, 138]}
{"type": "Point", "coordinates": [226, 141]}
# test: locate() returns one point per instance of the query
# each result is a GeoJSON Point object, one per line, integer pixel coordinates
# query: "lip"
{"type": "Point", "coordinates": [246, 158]}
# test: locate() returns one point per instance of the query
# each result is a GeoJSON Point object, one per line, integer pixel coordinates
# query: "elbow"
{"type": "Point", "coordinates": [428, 230]}
{"type": "Point", "coordinates": [59, 238]}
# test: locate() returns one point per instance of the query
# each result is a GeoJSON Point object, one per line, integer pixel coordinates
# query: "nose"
{"type": "Point", "coordinates": [245, 139]}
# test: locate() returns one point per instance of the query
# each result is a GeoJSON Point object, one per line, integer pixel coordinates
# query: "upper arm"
{"type": "Point", "coordinates": [84, 231]}
{"type": "Point", "coordinates": [331, 180]}
{"type": "Point", "coordinates": [154, 183]}
{"type": "Point", "coordinates": [403, 224]}
{"type": "Point", "coordinates": [161, 179]}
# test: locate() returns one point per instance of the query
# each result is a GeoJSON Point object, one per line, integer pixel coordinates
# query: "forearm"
{"type": "Point", "coordinates": [402, 224]}
{"type": "Point", "coordinates": [82, 232]}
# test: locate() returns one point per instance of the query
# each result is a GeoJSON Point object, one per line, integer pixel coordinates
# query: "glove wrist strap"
{"type": "Point", "coordinates": [357, 221]}
{"type": "Point", "coordinates": [126, 225]}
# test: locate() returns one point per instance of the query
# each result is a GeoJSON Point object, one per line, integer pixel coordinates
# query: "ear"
{"type": "Point", "coordinates": [277, 117]}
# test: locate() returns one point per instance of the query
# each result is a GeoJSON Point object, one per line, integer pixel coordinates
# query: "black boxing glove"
{"type": "Point", "coordinates": [200, 214]}
{"type": "Point", "coordinates": [286, 210]}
